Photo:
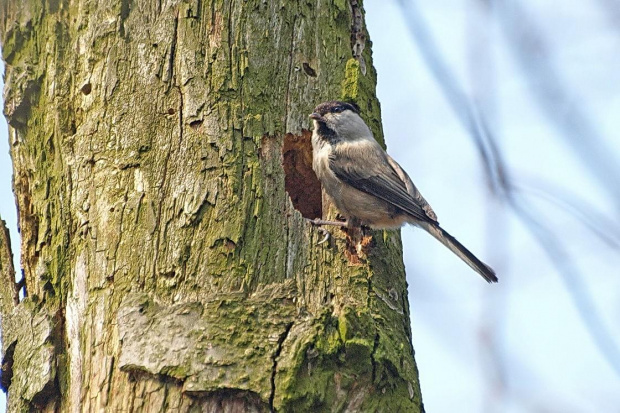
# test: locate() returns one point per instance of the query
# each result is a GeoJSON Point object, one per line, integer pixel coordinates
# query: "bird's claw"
{"type": "Point", "coordinates": [326, 237]}
{"type": "Point", "coordinates": [318, 222]}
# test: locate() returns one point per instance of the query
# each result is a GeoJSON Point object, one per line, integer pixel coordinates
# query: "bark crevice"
{"type": "Point", "coordinates": [9, 294]}
{"type": "Point", "coordinates": [274, 369]}
{"type": "Point", "coordinates": [373, 360]}
{"type": "Point", "coordinates": [358, 34]}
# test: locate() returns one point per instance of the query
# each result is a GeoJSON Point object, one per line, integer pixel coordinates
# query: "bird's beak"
{"type": "Point", "coordinates": [317, 117]}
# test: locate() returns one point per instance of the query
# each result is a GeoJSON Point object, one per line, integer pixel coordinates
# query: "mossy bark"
{"type": "Point", "coordinates": [166, 266]}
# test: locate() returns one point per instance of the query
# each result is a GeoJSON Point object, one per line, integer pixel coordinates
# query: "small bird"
{"type": "Point", "coordinates": [369, 187]}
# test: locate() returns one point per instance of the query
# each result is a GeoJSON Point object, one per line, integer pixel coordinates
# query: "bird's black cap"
{"type": "Point", "coordinates": [334, 106]}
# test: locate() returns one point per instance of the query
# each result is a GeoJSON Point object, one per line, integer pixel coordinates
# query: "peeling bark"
{"type": "Point", "coordinates": [9, 294]}
{"type": "Point", "coordinates": [155, 146]}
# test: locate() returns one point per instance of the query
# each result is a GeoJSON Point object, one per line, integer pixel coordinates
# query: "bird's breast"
{"type": "Point", "coordinates": [351, 202]}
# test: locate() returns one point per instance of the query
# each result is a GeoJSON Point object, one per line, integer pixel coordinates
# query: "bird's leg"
{"type": "Point", "coordinates": [317, 222]}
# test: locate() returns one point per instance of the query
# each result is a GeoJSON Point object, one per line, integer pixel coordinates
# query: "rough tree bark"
{"type": "Point", "coordinates": [161, 169]}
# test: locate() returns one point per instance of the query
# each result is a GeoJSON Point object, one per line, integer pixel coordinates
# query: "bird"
{"type": "Point", "coordinates": [367, 186]}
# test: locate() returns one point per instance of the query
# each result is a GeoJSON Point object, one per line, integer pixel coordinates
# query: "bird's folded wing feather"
{"type": "Point", "coordinates": [411, 189]}
{"type": "Point", "coordinates": [377, 178]}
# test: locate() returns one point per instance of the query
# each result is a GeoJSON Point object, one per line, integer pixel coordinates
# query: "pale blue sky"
{"type": "Point", "coordinates": [549, 361]}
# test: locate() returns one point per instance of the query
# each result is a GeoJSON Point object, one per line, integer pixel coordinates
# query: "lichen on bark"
{"type": "Point", "coordinates": [169, 267]}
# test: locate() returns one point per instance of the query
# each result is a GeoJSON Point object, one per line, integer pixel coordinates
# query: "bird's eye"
{"type": "Point", "coordinates": [337, 109]}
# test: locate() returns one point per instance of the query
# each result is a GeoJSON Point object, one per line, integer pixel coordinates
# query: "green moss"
{"type": "Point", "coordinates": [354, 322]}
{"type": "Point", "coordinates": [350, 83]}
{"type": "Point", "coordinates": [336, 366]}
{"type": "Point", "coordinates": [328, 341]}
{"type": "Point", "coordinates": [358, 351]}
{"type": "Point", "coordinates": [177, 372]}
{"type": "Point", "coordinates": [341, 5]}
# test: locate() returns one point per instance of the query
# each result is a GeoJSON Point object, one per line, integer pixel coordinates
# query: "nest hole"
{"type": "Point", "coordinates": [300, 181]}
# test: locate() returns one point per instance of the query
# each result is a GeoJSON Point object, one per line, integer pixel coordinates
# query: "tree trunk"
{"type": "Point", "coordinates": [161, 163]}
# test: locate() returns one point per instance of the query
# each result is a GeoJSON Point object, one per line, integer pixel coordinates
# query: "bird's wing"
{"type": "Point", "coordinates": [411, 188]}
{"type": "Point", "coordinates": [377, 177]}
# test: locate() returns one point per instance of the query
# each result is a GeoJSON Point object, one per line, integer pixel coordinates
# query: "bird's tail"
{"type": "Point", "coordinates": [463, 253]}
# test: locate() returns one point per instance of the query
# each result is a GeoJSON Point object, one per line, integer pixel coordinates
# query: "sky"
{"type": "Point", "coordinates": [520, 345]}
